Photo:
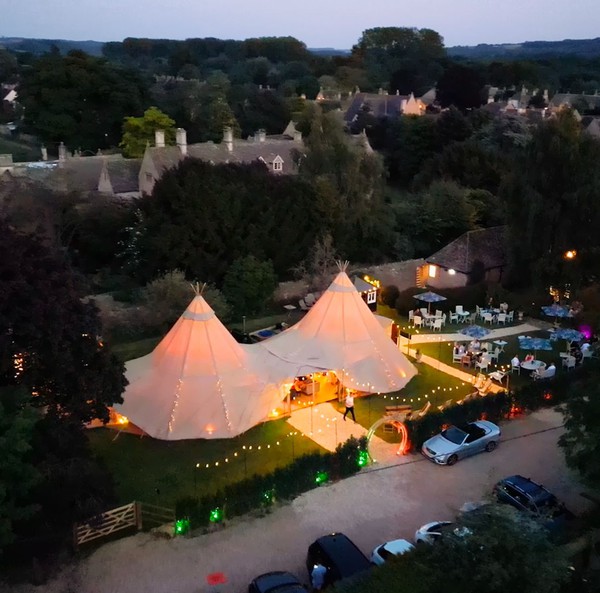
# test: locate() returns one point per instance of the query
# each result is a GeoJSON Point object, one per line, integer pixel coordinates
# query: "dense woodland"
{"type": "Point", "coordinates": [428, 180]}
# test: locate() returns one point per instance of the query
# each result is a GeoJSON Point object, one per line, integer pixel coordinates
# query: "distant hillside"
{"type": "Point", "coordinates": [329, 51]}
{"type": "Point", "coordinates": [40, 46]}
{"type": "Point", "coordinates": [583, 48]}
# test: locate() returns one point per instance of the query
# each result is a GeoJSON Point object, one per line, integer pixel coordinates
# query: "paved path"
{"type": "Point", "coordinates": [371, 508]}
{"type": "Point", "coordinates": [494, 334]}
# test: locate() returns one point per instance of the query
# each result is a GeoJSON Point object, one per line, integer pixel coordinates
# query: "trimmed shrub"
{"type": "Point", "coordinates": [389, 295]}
{"type": "Point", "coordinates": [258, 492]}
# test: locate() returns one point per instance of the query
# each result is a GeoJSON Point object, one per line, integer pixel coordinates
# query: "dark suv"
{"type": "Point", "coordinates": [339, 555]}
{"type": "Point", "coordinates": [524, 494]}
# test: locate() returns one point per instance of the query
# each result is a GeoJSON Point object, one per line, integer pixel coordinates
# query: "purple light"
{"type": "Point", "coordinates": [586, 330]}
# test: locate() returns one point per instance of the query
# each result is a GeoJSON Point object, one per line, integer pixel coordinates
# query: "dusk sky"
{"type": "Point", "coordinates": [319, 23]}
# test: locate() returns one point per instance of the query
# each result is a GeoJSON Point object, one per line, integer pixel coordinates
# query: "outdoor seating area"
{"type": "Point", "coordinates": [308, 301]}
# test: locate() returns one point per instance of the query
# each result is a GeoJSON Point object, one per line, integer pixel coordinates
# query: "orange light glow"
{"type": "Point", "coordinates": [571, 254]}
{"type": "Point", "coordinates": [210, 428]}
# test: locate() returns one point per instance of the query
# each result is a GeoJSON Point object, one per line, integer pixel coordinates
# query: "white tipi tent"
{"type": "Point", "coordinates": [198, 382]}
{"type": "Point", "coordinates": [341, 334]}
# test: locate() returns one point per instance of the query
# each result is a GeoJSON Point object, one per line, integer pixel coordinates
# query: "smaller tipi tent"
{"type": "Point", "coordinates": [340, 333]}
{"type": "Point", "coordinates": [198, 382]}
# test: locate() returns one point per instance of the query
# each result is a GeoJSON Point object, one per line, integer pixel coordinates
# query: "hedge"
{"type": "Point", "coordinates": [503, 405]}
{"type": "Point", "coordinates": [285, 483]}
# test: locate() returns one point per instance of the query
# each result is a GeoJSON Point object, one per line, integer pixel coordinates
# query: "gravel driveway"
{"type": "Point", "coordinates": [380, 504]}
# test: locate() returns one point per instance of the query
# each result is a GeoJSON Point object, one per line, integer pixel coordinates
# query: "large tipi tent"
{"type": "Point", "coordinates": [340, 333]}
{"type": "Point", "coordinates": [198, 382]}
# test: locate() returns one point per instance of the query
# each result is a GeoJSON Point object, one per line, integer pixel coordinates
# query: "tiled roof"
{"type": "Point", "coordinates": [570, 98]}
{"type": "Point", "coordinates": [485, 245]}
{"type": "Point", "coordinates": [83, 173]}
{"type": "Point", "coordinates": [243, 151]}
{"type": "Point", "coordinates": [380, 105]}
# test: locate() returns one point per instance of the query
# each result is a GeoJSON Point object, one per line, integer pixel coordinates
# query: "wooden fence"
{"type": "Point", "coordinates": [135, 515]}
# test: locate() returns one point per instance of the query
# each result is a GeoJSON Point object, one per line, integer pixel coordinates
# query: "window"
{"type": "Point", "coordinates": [371, 297]}
{"type": "Point", "coordinates": [277, 163]}
{"type": "Point", "coordinates": [432, 271]}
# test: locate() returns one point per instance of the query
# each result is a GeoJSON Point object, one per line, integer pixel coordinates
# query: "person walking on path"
{"type": "Point", "coordinates": [349, 406]}
{"type": "Point", "coordinates": [318, 576]}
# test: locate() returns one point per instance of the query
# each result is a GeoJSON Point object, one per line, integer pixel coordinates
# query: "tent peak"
{"type": "Point", "coordinates": [198, 290]}
{"type": "Point", "coordinates": [342, 265]}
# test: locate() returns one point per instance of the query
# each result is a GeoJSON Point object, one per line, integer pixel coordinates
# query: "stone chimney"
{"type": "Point", "coordinates": [228, 138]}
{"type": "Point", "coordinates": [260, 136]}
{"type": "Point", "coordinates": [159, 138]}
{"type": "Point", "coordinates": [62, 152]}
{"type": "Point", "coordinates": [44, 153]}
{"type": "Point", "coordinates": [181, 136]}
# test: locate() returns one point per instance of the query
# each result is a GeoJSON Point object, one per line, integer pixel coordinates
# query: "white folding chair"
{"type": "Point", "coordinates": [418, 321]}
{"type": "Point", "coordinates": [515, 368]}
{"type": "Point", "coordinates": [488, 318]}
{"type": "Point", "coordinates": [459, 309]}
{"type": "Point", "coordinates": [437, 325]}
{"type": "Point", "coordinates": [494, 355]}
{"type": "Point", "coordinates": [444, 317]}
{"type": "Point", "coordinates": [568, 362]}
{"type": "Point", "coordinates": [411, 315]}
{"type": "Point", "coordinates": [501, 318]}
{"type": "Point", "coordinates": [424, 311]}
{"type": "Point", "coordinates": [438, 314]}
{"type": "Point", "coordinates": [453, 317]}
{"type": "Point", "coordinates": [483, 364]}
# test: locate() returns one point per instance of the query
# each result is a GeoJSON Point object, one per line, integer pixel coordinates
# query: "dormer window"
{"type": "Point", "coordinates": [277, 163]}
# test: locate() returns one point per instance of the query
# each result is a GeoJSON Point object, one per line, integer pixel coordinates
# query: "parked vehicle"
{"type": "Point", "coordinates": [395, 547]}
{"type": "Point", "coordinates": [430, 532]}
{"type": "Point", "coordinates": [276, 582]}
{"type": "Point", "coordinates": [455, 442]}
{"type": "Point", "coordinates": [339, 555]}
{"type": "Point", "coordinates": [526, 495]}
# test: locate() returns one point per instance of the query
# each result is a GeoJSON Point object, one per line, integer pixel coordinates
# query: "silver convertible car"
{"type": "Point", "coordinates": [455, 442]}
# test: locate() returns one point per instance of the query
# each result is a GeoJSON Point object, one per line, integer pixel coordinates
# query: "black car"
{"type": "Point", "coordinates": [339, 555]}
{"type": "Point", "coordinates": [526, 495]}
{"type": "Point", "coordinates": [276, 582]}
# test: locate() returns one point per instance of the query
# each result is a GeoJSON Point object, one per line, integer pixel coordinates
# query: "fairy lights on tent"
{"type": "Point", "coordinates": [175, 404]}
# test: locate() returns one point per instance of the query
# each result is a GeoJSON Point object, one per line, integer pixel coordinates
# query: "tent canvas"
{"type": "Point", "coordinates": [340, 333]}
{"type": "Point", "coordinates": [198, 382]}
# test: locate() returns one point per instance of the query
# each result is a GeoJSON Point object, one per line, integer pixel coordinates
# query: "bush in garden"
{"type": "Point", "coordinates": [389, 295]}
{"type": "Point", "coordinates": [257, 492]}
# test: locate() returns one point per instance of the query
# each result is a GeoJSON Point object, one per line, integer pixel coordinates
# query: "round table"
{"type": "Point", "coordinates": [533, 365]}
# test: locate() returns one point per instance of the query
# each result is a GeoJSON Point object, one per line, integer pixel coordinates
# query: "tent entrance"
{"type": "Point", "coordinates": [313, 389]}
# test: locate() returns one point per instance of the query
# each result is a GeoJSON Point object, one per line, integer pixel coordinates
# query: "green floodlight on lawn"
{"type": "Point", "coordinates": [268, 497]}
{"type": "Point", "coordinates": [321, 477]}
{"type": "Point", "coordinates": [363, 458]}
{"type": "Point", "coordinates": [216, 515]}
{"type": "Point", "coordinates": [182, 526]}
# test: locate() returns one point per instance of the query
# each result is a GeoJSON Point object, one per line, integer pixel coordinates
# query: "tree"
{"type": "Point", "coordinates": [202, 217]}
{"type": "Point", "coordinates": [18, 476]}
{"type": "Point", "coordinates": [554, 184]}
{"type": "Point", "coordinates": [581, 439]}
{"type": "Point", "coordinates": [400, 54]}
{"type": "Point", "coordinates": [138, 132]}
{"type": "Point", "coordinates": [500, 550]}
{"type": "Point", "coordinates": [460, 86]}
{"type": "Point", "coordinates": [79, 99]}
{"type": "Point", "coordinates": [168, 295]}
{"type": "Point", "coordinates": [248, 285]}
{"type": "Point", "coordinates": [50, 348]}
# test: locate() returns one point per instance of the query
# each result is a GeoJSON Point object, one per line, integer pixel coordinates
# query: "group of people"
{"type": "Point", "coordinates": [474, 350]}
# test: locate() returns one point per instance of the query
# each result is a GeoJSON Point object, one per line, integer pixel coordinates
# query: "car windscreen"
{"type": "Point", "coordinates": [454, 435]}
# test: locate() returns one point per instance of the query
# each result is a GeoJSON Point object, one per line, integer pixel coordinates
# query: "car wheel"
{"type": "Point", "coordinates": [452, 460]}
{"type": "Point", "coordinates": [491, 446]}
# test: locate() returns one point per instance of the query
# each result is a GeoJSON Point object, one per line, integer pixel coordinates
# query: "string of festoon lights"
{"type": "Point", "coordinates": [246, 450]}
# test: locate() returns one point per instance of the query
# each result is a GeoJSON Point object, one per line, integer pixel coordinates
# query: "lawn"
{"type": "Point", "coordinates": [143, 465]}
{"type": "Point", "coordinates": [161, 472]}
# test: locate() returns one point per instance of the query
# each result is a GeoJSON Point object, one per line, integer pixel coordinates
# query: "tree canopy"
{"type": "Point", "coordinates": [79, 100]}
{"type": "Point", "coordinates": [139, 132]}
